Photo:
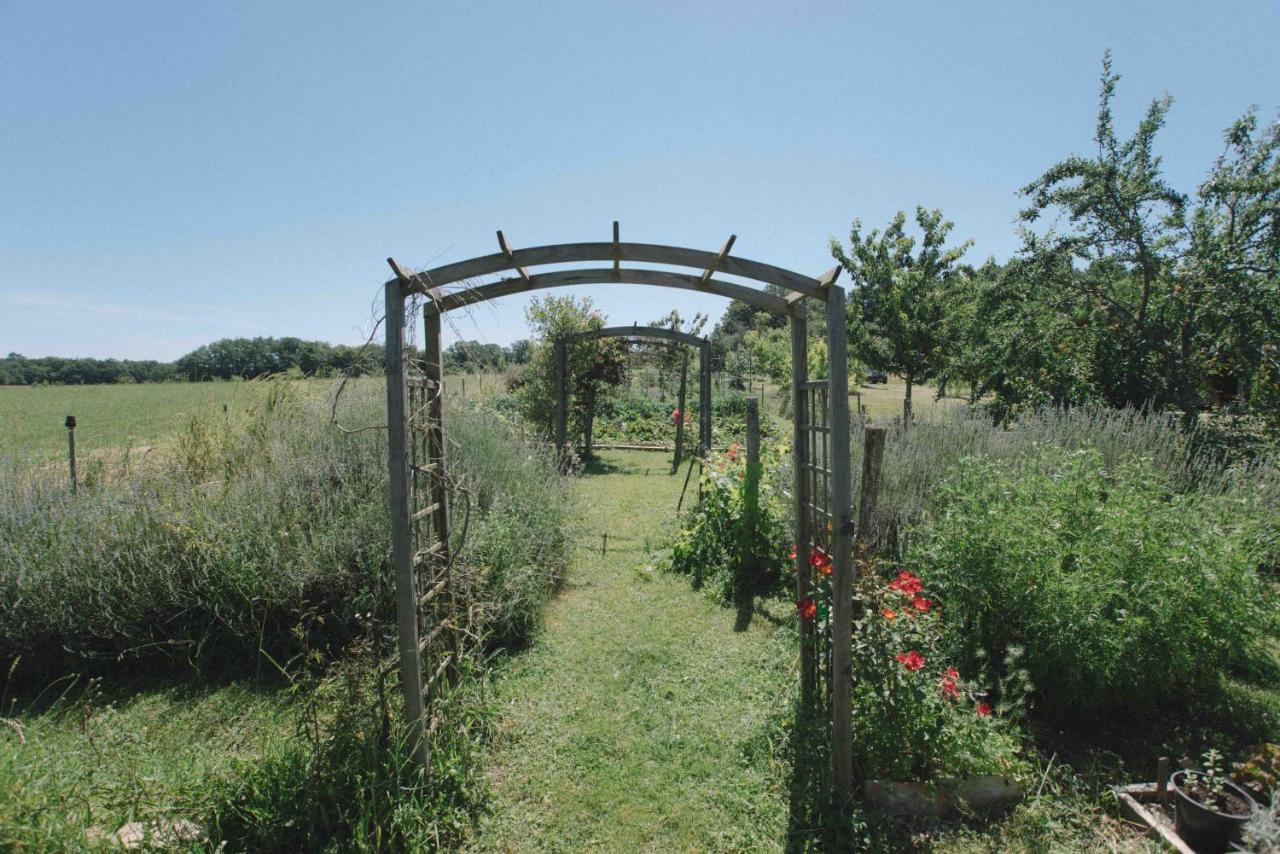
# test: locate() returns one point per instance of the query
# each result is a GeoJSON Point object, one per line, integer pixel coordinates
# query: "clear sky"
{"type": "Point", "coordinates": [173, 172]}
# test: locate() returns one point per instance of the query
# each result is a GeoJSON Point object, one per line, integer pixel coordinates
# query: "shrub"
{"type": "Point", "coordinates": [742, 548]}
{"type": "Point", "coordinates": [915, 716]}
{"type": "Point", "coordinates": [1125, 593]}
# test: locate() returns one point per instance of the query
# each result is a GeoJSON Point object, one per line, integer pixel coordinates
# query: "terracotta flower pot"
{"type": "Point", "coordinates": [1205, 827]}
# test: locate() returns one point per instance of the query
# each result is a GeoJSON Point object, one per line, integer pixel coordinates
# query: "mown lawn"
{"type": "Point", "coordinates": [639, 720]}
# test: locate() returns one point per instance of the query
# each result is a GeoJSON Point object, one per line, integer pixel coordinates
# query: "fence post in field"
{"type": "Point", "coordinates": [704, 398]}
{"type": "Point", "coordinates": [561, 426]}
{"type": "Point", "coordinates": [71, 449]}
{"type": "Point", "coordinates": [401, 510]}
{"type": "Point", "coordinates": [841, 552]}
{"type": "Point", "coordinates": [684, 378]}
{"type": "Point", "coordinates": [869, 493]}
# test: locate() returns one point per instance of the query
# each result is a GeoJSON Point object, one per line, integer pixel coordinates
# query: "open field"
{"type": "Point", "coordinates": [114, 417]}
{"type": "Point", "coordinates": [138, 416]}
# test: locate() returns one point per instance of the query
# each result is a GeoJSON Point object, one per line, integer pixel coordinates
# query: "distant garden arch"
{"type": "Point", "coordinates": [652, 333]}
{"type": "Point", "coordinates": [430, 606]}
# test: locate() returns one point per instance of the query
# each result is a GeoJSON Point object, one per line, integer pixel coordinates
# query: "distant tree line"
{"type": "Point", "coordinates": [245, 358]}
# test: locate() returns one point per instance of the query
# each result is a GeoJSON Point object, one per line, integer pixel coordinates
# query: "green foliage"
{"type": "Point", "coordinates": [900, 296]}
{"type": "Point", "coordinates": [630, 415]}
{"type": "Point", "coordinates": [729, 541]}
{"type": "Point", "coordinates": [345, 782]}
{"type": "Point", "coordinates": [1125, 593]}
{"type": "Point", "coordinates": [254, 524]}
{"type": "Point", "coordinates": [1144, 296]}
{"type": "Point", "coordinates": [590, 366]}
{"type": "Point", "coordinates": [915, 716]}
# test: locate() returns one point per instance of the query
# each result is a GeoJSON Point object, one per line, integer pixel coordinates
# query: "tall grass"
{"type": "Point", "coordinates": [258, 544]}
{"type": "Point", "coordinates": [918, 459]}
{"type": "Point", "coordinates": [253, 523]}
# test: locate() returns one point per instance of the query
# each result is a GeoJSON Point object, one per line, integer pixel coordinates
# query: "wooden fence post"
{"type": "Point", "coordinates": [401, 511]}
{"type": "Point", "coordinates": [704, 398]}
{"type": "Point", "coordinates": [562, 416]}
{"type": "Point", "coordinates": [680, 407]}
{"type": "Point", "coordinates": [71, 449]}
{"type": "Point", "coordinates": [841, 553]}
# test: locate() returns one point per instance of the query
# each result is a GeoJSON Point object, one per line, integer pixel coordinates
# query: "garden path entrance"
{"type": "Point", "coordinates": [638, 720]}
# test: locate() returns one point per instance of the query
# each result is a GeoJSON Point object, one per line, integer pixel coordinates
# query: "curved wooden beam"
{"type": "Point", "coordinates": [444, 302]}
{"type": "Point", "coordinates": [649, 253]}
{"type": "Point", "coordinates": [655, 332]}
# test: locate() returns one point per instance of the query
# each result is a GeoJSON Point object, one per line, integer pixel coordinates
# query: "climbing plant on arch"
{"type": "Point", "coordinates": [653, 333]}
{"type": "Point", "coordinates": [418, 500]}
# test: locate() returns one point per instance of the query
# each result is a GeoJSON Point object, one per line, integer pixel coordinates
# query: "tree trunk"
{"type": "Point", "coordinates": [906, 404]}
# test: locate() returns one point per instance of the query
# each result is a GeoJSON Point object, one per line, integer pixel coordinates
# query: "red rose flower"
{"type": "Point", "coordinates": [906, 584]}
{"type": "Point", "coordinates": [911, 660]}
{"type": "Point", "coordinates": [921, 604]}
{"type": "Point", "coordinates": [949, 684]}
{"type": "Point", "coordinates": [806, 608]}
{"type": "Point", "coordinates": [791, 555]}
{"type": "Point", "coordinates": [675, 415]}
{"type": "Point", "coordinates": [983, 709]}
{"type": "Point", "coordinates": [817, 556]}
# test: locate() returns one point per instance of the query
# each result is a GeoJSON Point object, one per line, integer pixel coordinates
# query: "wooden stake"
{"type": "Point", "coordinates": [71, 449]}
{"type": "Point", "coordinates": [684, 378]}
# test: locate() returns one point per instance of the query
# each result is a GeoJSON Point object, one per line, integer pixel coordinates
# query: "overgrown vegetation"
{"type": "Point", "coordinates": [258, 552]}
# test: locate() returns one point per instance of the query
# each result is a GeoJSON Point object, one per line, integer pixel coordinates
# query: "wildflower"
{"type": "Point", "coordinates": [949, 684]}
{"type": "Point", "coordinates": [921, 604]}
{"type": "Point", "coordinates": [906, 584]}
{"type": "Point", "coordinates": [888, 613]}
{"type": "Point", "coordinates": [806, 608]}
{"type": "Point", "coordinates": [911, 660]}
{"type": "Point", "coordinates": [983, 709]}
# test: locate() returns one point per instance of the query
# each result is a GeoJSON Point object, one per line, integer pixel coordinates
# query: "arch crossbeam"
{"type": "Point", "coordinates": [647, 253]}
{"type": "Point", "coordinates": [444, 302]}
{"type": "Point", "coordinates": [655, 332]}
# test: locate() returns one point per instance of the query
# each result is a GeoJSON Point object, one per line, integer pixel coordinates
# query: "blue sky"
{"type": "Point", "coordinates": [172, 173]}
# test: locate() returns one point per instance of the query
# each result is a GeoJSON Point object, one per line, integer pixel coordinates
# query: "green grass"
{"type": "Point", "coordinates": [102, 755]}
{"type": "Point", "coordinates": [640, 719]}
{"type": "Point", "coordinates": [114, 417]}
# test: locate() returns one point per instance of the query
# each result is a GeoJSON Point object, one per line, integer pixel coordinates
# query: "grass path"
{"type": "Point", "coordinates": [639, 719]}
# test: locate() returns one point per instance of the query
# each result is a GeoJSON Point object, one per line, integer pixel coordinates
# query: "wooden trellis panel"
{"type": "Point", "coordinates": [814, 469]}
{"type": "Point", "coordinates": [440, 609]}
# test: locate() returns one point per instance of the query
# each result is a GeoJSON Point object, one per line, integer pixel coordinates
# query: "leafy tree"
{"type": "Point", "coordinates": [1233, 269]}
{"type": "Point", "coordinates": [590, 366]}
{"type": "Point", "coordinates": [519, 352]}
{"type": "Point", "coordinates": [900, 295]}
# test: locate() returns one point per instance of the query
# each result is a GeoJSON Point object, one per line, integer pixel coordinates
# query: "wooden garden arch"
{"type": "Point", "coordinates": [418, 499]}
{"type": "Point", "coordinates": [652, 333]}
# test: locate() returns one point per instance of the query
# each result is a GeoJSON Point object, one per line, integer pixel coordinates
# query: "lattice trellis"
{"type": "Point", "coordinates": [815, 469]}
{"type": "Point", "coordinates": [443, 622]}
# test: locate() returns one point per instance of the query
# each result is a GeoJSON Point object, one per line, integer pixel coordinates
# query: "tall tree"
{"type": "Point", "coordinates": [900, 294]}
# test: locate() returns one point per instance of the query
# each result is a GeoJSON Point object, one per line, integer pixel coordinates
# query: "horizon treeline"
{"type": "Point", "coordinates": [243, 358]}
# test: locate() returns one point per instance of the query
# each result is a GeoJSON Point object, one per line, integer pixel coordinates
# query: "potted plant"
{"type": "Point", "coordinates": [1211, 811]}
